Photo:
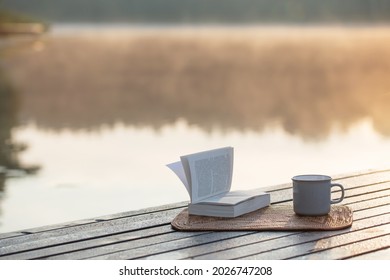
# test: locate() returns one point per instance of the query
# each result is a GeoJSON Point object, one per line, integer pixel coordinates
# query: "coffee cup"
{"type": "Point", "coordinates": [312, 194]}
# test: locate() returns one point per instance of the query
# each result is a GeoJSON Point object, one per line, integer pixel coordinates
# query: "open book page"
{"type": "Point", "coordinates": [210, 173]}
{"type": "Point", "coordinates": [178, 169]}
{"type": "Point", "coordinates": [233, 197]}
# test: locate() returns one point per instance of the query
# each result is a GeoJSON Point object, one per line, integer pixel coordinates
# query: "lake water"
{"type": "Point", "coordinates": [90, 115]}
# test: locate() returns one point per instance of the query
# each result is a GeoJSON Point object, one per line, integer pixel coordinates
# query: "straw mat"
{"type": "Point", "coordinates": [274, 217]}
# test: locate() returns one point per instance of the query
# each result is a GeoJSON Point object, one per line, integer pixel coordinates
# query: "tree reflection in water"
{"type": "Point", "coordinates": [305, 80]}
{"type": "Point", "coordinates": [9, 150]}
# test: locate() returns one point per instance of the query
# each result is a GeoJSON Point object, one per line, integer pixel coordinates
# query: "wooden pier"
{"type": "Point", "coordinates": [147, 234]}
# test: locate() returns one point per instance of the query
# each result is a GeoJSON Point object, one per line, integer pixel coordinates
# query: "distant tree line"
{"type": "Point", "coordinates": [234, 81]}
{"type": "Point", "coordinates": [205, 11]}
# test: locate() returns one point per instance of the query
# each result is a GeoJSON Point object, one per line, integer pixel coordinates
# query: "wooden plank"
{"type": "Point", "coordinates": [364, 179]}
{"type": "Point", "coordinates": [13, 234]}
{"type": "Point", "coordinates": [143, 246]}
{"type": "Point", "coordinates": [299, 248]}
{"type": "Point", "coordinates": [372, 211]}
{"type": "Point", "coordinates": [84, 232]}
{"type": "Point", "coordinates": [127, 246]}
{"type": "Point", "coordinates": [382, 254]}
{"type": "Point", "coordinates": [115, 216]}
{"type": "Point", "coordinates": [142, 212]}
{"type": "Point", "coordinates": [370, 203]}
{"type": "Point", "coordinates": [370, 173]}
{"type": "Point", "coordinates": [362, 193]}
{"type": "Point", "coordinates": [89, 230]}
{"type": "Point", "coordinates": [86, 248]}
{"type": "Point", "coordinates": [368, 196]}
{"type": "Point", "coordinates": [95, 242]}
{"type": "Point", "coordinates": [176, 249]}
{"type": "Point", "coordinates": [309, 245]}
{"type": "Point", "coordinates": [285, 248]}
{"type": "Point", "coordinates": [352, 249]}
{"type": "Point", "coordinates": [277, 197]}
{"type": "Point", "coordinates": [171, 246]}
{"type": "Point", "coordinates": [259, 242]}
{"type": "Point", "coordinates": [115, 228]}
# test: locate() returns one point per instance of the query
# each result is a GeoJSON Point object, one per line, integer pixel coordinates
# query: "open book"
{"type": "Point", "coordinates": [207, 177]}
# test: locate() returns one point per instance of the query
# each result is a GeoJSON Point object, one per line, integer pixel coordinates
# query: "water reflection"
{"type": "Point", "coordinates": [307, 81]}
{"type": "Point", "coordinates": [9, 149]}
{"type": "Point", "coordinates": [281, 96]}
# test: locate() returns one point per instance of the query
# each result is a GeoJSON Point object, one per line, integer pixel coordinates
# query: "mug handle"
{"type": "Point", "coordinates": [333, 201]}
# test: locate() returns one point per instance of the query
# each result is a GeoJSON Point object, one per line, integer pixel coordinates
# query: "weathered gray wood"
{"type": "Point", "coordinates": [364, 179]}
{"type": "Point", "coordinates": [261, 242]}
{"type": "Point", "coordinates": [12, 234]}
{"type": "Point", "coordinates": [370, 203]}
{"type": "Point", "coordinates": [381, 254]}
{"type": "Point", "coordinates": [164, 207]}
{"type": "Point", "coordinates": [176, 246]}
{"type": "Point", "coordinates": [170, 246]}
{"type": "Point", "coordinates": [84, 232]}
{"type": "Point", "coordinates": [371, 212]}
{"type": "Point", "coordinates": [283, 196]}
{"type": "Point", "coordinates": [368, 196]}
{"type": "Point", "coordinates": [128, 214]}
{"type": "Point", "coordinates": [103, 250]}
{"type": "Point", "coordinates": [146, 248]}
{"type": "Point", "coordinates": [311, 243]}
{"type": "Point", "coordinates": [91, 241]}
{"type": "Point", "coordinates": [147, 234]}
{"type": "Point", "coordinates": [87, 248]}
{"type": "Point", "coordinates": [352, 249]}
{"type": "Point", "coordinates": [238, 243]}
{"type": "Point", "coordinates": [285, 248]}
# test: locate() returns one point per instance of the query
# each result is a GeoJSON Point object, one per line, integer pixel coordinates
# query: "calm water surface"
{"type": "Point", "coordinates": [90, 116]}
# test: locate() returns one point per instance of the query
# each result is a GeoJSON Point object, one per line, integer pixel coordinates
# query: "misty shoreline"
{"type": "Point", "coordinates": [69, 28]}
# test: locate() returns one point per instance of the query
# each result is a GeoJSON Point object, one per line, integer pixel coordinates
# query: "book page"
{"type": "Point", "coordinates": [233, 197]}
{"type": "Point", "coordinates": [211, 172]}
{"type": "Point", "coordinates": [178, 169]}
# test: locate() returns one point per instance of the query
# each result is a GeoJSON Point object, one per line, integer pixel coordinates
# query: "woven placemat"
{"type": "Point", "coordinates": [274, 217]}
